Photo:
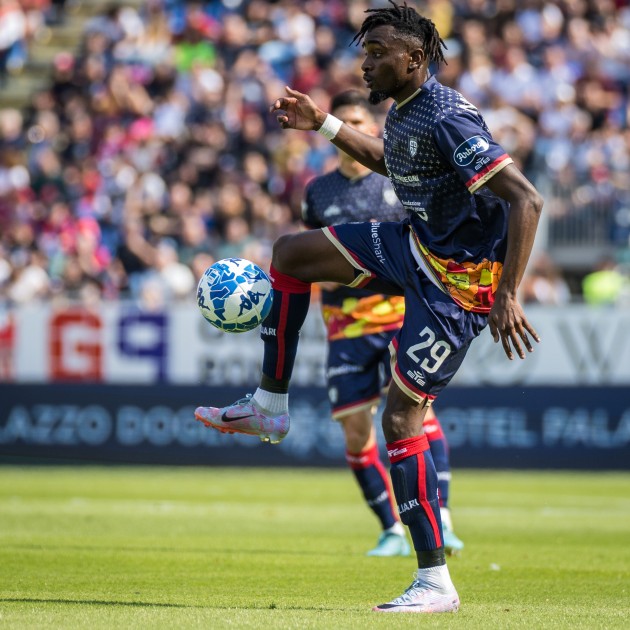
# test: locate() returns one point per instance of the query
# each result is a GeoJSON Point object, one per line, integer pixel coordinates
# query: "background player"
{"type": "Point", "coordinates": [458, 261]}
{"type": "Point", "coordinates": [360, 325]}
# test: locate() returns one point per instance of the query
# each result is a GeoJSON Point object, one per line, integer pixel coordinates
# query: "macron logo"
{"type": "Point", "coordinates": [396, 452]}
{"type": "Point", "coordinates": [467, 150]}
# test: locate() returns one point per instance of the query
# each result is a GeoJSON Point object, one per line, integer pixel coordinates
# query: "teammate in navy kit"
{"type": "Point", "coordinates": [360, 325]}
{"type": "Point", "coordinates": [458, 260]}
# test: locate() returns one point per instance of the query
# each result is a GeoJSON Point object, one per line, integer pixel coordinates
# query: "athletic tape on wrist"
{"type": "Point", "coordinates": [330, 127]}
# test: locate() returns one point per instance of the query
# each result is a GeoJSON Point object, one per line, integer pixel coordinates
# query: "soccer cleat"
{"type": "Point", "coordinates": [452, 544]}
{"type": "Point", "coordinates": [244, 416]}
{"type": "Point", "coordinates": [419, 598]}
{"type": "Point", "coordinates": [390, 544]}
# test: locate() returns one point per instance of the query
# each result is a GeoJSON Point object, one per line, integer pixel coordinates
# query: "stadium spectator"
{"type": "Point", "coordinates": [13, 38]}
{"type": "Point", "coordinates": [543, 283]}
{"type": "Point", "coordinates": [605, 286]}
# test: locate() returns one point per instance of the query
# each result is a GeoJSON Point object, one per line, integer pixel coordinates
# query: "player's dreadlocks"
{"type": "Point", "coordinates": [408, 22]}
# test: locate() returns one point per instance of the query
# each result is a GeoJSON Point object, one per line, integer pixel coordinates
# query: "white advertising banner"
{"type": "Point", "coordinates": [118, 343]}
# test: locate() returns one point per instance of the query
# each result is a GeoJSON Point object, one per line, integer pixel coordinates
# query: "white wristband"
{"type": "Point", "coordinates": [330, 127]}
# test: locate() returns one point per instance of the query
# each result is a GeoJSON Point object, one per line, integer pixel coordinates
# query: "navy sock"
{"type": "Point", "coordinates": [281, 329]}
{"type": "Point", "coordinates": [415, 485]}
{"type": "Point", "coordinates": [372, 478]}
{"type": "Point", "coordinates": [439, 452]}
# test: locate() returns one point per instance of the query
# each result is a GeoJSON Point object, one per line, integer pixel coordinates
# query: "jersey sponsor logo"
{"type": "Point", "coordinates": [376, 242]}
{"type": "Point", "coordinates": [469, 149]}
{"type": "Point", "coordinates": [481, 162]}
{"type": "Point", "coordinates": [413, 146]}
{"type": "Point", "coordinates": [408, 505]}
{"type": "Point", "coordinates": [340, 370]}
{"type": "Point", "coordinates": [406, 179]}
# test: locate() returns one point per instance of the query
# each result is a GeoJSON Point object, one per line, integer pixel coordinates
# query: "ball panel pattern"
{"type": "Point", "coordinates": [234, 295]}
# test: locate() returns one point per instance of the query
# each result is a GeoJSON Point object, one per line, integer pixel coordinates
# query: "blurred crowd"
{"type": "Point", "coordinates": [22, 21]}
{"type": "Point", "coordinates": [152, 153]}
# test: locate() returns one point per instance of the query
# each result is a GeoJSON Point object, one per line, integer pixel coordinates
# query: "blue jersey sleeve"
{"type": "Point", "coordinates": [309, 217]}
{"type": "Point", "coordinates": [465, 142]}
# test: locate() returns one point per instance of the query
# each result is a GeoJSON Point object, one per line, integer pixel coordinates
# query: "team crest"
{"type": "Point", "coordinates": [413, 146]}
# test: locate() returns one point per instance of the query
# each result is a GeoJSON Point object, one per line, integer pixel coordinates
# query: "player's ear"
{"type": "Point", "coordinates": [416, 59]}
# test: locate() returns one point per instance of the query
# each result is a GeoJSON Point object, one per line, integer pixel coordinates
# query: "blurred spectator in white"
{"type": "Point", "coordinates": [543, 283]}
{"type": "Point", "coordinates": [13, 34]}
{"type": "Point", "coordinates": [177, 279]}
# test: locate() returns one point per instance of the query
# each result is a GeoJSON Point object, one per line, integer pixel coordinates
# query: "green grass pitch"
{"type": "Point", "coordinates": [144, 547]}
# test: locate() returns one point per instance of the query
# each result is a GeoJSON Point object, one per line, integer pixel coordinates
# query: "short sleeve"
{"type": "Point", "coordinates": [465, 142]}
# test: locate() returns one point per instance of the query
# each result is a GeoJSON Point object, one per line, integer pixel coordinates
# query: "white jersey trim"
{"type": "Point", "coordinates": [422, 263]}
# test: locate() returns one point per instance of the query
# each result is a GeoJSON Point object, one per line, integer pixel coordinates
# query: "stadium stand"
{"type": "Point", "coordinates": [136, 147]}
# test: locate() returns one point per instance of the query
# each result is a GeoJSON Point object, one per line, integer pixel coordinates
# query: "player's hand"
{"type": "Point", "coordinates": [508, 323]}
{"type": "Point", "coordinates": [300, 112]}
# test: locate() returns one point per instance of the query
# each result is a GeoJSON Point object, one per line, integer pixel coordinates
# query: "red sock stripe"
{"type": "Point", "coordinates": [433, 429]}
{"type": "Point", "coordinates": [364, 459]}
{"type": "Point", "coordinates": [424, 501]}
{"type": "Point", "coordinates": [282, 282]}
{"type": "Point", "coordinates": [406, 448]}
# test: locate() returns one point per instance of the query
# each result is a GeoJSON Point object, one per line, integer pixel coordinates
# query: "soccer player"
{"type": "Point", "coordinates": [458, 260]}
{"type": "Point", "coordinates": [360, 326]}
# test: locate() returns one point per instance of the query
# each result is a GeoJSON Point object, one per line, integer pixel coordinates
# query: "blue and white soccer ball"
{"type": "Point", "coordinates": [234, 295]}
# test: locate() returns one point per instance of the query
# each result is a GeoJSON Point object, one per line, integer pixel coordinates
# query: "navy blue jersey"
{"type": "Point", "coordinates": [439, 154]}
{"type": "Point", "coordinates": [333, 199]}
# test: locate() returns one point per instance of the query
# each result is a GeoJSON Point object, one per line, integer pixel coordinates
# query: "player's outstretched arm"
{"type": "Point", "coordinates": [507, 320]}
{"type": "Point", "coordinates": [298, 111]}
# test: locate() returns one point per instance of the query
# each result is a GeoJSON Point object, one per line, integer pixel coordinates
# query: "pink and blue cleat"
{"type": "Point", "coordinates": [245, 416]}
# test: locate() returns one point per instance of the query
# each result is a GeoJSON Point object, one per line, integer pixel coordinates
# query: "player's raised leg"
{"type": "Point", "coordinates": [298, 260]}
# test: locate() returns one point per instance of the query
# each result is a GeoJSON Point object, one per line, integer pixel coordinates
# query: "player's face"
{"type": "Point", "coordinates": [388, 68]}
{"type": "Point", "coordinates": [358, 118]}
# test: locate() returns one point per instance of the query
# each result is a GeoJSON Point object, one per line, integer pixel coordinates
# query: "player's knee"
{"type": "Point", "coordinates": [358, 430]}
{"type": "Point", "coordinates": [281, 257]}
{"type": "Point", "coordinates": [395, 427]}
{"type": "Point", "coordinates": [357, 438]}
